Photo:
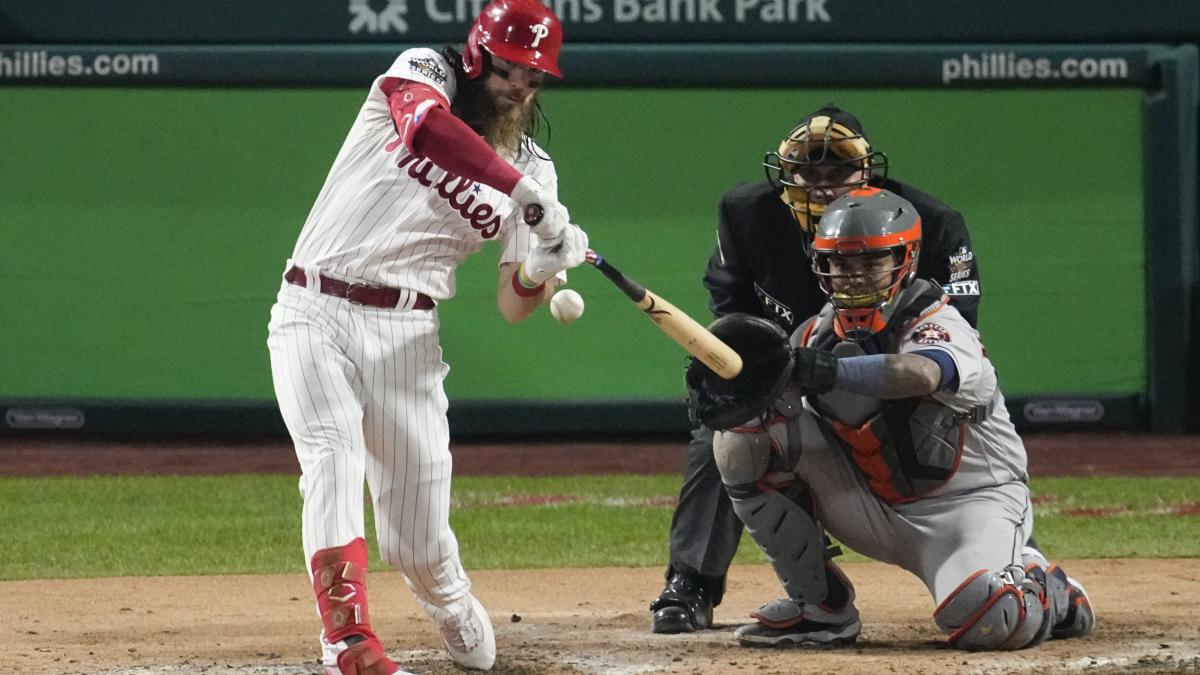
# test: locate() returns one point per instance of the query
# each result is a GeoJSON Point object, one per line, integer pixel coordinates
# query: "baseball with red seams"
{"type": "Point", "coordinates": [566, 305]}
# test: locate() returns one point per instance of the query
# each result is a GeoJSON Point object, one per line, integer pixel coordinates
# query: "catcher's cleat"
{"type": "Point", "coordinates": [786, 623]}
{"type": "Point", "coordinates": [685, 606]}
{"type": "Point", "coordinates": [1080, 619]}
{"type": "Point", "coordinates": [469, 637]}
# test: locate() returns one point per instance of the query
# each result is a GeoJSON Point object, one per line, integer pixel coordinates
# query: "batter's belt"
{"type": "Point", "coordinates": [364, 294]}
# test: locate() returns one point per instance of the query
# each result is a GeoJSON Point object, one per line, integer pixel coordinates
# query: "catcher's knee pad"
{"type": "Point", "coordinates": [785, 528]}
{"type": "Point", "coordinates": [991, 611]}
{"type": "Point", "coordinates": [742, 456]}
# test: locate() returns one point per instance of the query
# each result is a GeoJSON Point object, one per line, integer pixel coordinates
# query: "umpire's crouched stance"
{"type": "Point", "coordinates": [882, 422]}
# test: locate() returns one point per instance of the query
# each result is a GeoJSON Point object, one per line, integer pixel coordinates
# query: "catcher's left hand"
{"type": "Point", "coordinates": [767, 363]}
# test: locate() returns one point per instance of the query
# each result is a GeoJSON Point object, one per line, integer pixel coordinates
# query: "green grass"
{"type": "Point", "coordinates": [173, 525]}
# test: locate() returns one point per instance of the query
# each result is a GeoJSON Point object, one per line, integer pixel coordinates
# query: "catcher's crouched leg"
{"type": "Point", "coordinates": [999, 611]}
{"type": "Point", "coordinates": [820, 607]}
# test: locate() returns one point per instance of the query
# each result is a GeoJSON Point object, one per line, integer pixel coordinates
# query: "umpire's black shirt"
{"type": "Point", "coordinates": [760, 267]}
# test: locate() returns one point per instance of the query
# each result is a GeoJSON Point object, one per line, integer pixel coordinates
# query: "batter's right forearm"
{"type": "Point", "coordinates": [448, 142]}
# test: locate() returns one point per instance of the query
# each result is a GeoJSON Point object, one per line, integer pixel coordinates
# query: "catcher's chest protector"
{"type": "Point", "coordinates": [906, 448]}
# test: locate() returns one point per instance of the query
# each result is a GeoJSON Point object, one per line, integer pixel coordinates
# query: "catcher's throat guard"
{"type": "Point", "coordinates": [767, 364]}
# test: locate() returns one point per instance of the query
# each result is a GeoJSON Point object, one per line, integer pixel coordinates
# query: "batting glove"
{"type": "Point", "coordinates": [547, 260]}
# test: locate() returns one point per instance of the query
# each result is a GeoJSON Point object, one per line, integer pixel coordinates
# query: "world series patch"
{"type": "Point", "coordinates": [930, 334]}
{"type": "Point", "coordinates": [428, 66]}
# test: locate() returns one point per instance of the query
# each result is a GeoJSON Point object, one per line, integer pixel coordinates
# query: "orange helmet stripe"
{"type": "Point", "coordinates": [850, 245]}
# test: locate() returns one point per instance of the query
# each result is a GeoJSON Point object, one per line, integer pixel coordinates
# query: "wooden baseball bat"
{"type": "Point", "coordinates": [680, 327]}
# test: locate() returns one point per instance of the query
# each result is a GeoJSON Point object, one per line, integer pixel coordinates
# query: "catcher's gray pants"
{"type": "Point", "coordinates": [705, 531]}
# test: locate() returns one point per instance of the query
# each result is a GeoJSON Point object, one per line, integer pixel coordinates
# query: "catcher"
{"type": "Point", "coordinates": [881, 420]}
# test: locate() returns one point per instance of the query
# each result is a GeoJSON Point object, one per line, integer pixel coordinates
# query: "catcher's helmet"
{"type": "Point", "coordinates": [521, 31]}
{"type": "Point", "coordinates": [826, 154]}
{"type": "Point", "coordinates": [864, 252]}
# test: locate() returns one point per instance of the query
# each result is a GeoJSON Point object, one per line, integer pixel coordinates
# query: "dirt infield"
{"type": "Point", "coordinates": [567, 620]}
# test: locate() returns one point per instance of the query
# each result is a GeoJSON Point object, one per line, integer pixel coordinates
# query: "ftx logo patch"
{"type": "Point", "coordinates": [961, 288]}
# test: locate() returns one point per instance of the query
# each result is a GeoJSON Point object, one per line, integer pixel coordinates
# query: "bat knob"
{"type": "Point", "coordinates": [533, 214]}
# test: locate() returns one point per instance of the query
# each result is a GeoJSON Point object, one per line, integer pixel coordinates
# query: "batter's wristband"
{"type": "Point", "coordinates": [523, 286]}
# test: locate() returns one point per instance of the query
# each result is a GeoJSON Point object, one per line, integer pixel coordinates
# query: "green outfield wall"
{"type": "Point", "coordinates": [145, 231]}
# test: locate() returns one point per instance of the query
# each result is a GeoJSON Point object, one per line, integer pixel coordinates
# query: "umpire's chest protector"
{"type": "Point", "coordinates": [906, 448]}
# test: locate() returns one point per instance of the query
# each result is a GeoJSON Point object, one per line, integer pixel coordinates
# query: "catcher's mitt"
{"type": "Point", "coordinates": [767, 362]}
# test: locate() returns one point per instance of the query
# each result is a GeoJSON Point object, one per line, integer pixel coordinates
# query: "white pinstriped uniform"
{"type": "Point", "coordinates": [361, 388]}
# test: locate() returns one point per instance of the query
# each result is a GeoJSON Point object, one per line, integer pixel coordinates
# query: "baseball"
{"type": "Point", "coordinates": [566, 305]}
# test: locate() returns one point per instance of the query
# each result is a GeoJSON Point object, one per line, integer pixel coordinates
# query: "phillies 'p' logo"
{"type": "Point", "coordinates": [539, 31]}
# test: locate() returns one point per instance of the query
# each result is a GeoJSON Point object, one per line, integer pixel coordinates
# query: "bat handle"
{"type": "Point", "coordinates": [533, 214]}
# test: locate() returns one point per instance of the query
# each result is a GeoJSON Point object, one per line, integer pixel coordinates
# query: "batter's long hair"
{"type": "Point", "coordinates": [473, 105]}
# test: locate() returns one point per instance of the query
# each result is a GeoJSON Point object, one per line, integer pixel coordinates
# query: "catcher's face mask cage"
{"type": "Point", "coordinates": [522, 31]}
{"type": "Point", "coordinates": [864, 253]}
{"type": "Point", "coordinates": [819, 161]}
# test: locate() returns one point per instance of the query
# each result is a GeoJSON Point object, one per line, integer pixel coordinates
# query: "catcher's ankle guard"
{"type": "Point", "coordinates": [340, 582]}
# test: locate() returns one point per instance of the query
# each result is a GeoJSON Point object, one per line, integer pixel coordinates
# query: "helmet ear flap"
{"type": "Point", "coordinates": [472, 56]}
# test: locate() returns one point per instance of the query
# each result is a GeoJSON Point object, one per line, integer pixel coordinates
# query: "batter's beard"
{"type": "Point", "coordinates": [504, 130]}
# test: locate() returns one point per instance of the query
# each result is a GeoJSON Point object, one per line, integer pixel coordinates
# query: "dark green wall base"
{"type": "Point", "coordinates": [61, 419]}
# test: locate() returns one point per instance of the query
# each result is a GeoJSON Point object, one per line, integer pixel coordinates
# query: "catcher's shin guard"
{"type": "Point", "coordinates": [1071, 608]}
{"type": "Point", "coordinates": [785, 528]}
{"type": "Point", "coordinates": [1078, 618]}
{"type": "Point", "coordinates": [991, 611]}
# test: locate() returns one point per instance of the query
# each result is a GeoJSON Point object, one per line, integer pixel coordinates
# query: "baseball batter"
{"type": "Point", "coordinates": [438, 162]}
{"type": "Point", "coordinates": [902, 449]}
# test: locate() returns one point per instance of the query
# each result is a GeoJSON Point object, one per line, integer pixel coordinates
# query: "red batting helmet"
{"type": "Point", "coordinates": [521, 31]}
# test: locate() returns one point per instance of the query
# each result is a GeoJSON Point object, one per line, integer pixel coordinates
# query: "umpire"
{"type": "Point", "coordinates": [760, 267]}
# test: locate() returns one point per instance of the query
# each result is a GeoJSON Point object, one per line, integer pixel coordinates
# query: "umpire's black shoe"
{"type": "Point", "coordinates": [685, 606]}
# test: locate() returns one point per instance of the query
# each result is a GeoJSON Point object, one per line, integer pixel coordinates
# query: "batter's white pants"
{"type": "Point", "coordinates": [942, 540]}
{"type": "Point", "coordinates": [361, 391]}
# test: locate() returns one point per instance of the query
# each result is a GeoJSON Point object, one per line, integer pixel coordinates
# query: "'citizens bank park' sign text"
{"type": "Point", "coordinates": [235, 22]}
{"type": "Point", "coordinates": [395, 16]}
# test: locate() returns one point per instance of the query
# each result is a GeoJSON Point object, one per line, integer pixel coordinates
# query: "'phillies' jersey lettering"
{"type": "Point", "coordinates": [481, 216]}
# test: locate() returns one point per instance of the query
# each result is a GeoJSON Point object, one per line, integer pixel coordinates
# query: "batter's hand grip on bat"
{"type": "Point", "coordinates": [680, 327]}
